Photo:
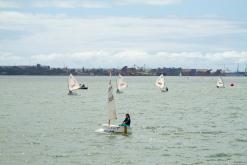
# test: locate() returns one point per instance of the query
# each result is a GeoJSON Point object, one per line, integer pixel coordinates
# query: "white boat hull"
{"type": "Point", "coordinates": [115, 129]}
{"type": "Point", "coordinates": [220, 86]}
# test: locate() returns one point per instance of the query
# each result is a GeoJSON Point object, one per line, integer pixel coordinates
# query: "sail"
{"type": "Point", "coordinates": [121, 84]}
{"type": "Point", "coordinates": [72, 83]}
{"type": "Point", "coordinates": [160, 82]}
{"type": "Point", "coordinates": [220, 82]}
{"type": "Point", "coordinates": [111, 103]}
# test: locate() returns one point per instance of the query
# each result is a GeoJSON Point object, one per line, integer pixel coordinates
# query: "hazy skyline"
{"type": "Point", "coordinates": [114, 33]}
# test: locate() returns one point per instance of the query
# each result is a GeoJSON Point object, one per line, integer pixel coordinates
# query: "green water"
{"type": "Point", "coordinates": [194, 123]}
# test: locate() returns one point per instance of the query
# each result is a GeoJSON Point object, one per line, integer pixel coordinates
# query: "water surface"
{"type": "Point", "coordinates": [194, 123]}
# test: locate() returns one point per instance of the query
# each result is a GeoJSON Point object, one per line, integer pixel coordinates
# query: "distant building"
{"type": "Point", "coordinates": [203, 72]}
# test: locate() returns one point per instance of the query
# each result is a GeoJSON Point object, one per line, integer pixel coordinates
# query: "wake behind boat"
{"type": "Point", "coordinates": [160, 83]}
{"type": "Point", "coordinates": [110, 128]}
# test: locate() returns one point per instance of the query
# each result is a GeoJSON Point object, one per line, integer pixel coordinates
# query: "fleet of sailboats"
{"type": "Point", "coordinates": [121, 84]}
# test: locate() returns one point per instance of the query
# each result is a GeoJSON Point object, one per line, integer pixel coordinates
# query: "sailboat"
{"type": "Point", "coordinates": [160, 83]}
{"type": "Point", "coordinates": [180, 74]}
{"type": "Point", "coordinates": [121, 84]}
{"type": "Point", "coordinates": [73, 84]}
{"type": "Point", "coordinates": [220, 83]}
{"type": "Point", "coordinates": [245, 72]}
{"type": "Point", "coordinates": [109, 128]}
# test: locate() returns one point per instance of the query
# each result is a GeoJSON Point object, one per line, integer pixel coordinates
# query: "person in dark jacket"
{"type": "Point", "coordinates": [126, 121]}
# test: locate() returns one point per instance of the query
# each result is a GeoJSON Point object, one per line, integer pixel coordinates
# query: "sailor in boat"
{"type": "Point", "coordinates": [70, 92]}
{"type": "Point", "coordinates": [126, 121]}
{"type": "Point", "coordinates": [82, 86]}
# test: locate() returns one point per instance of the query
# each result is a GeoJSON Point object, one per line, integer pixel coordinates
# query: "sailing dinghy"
{"type": "Point", "coordinates": [74, 85]}
{"type": "Point", "coordinates": [121, 83]}
{"type": "Point", "coordinates": [180, 74]}
{"type": "Point", "coordinates": [110, 128]}
{"type": "Point", "coordinates": [220, 83]}
{"type": "Point", "coordinates": [160, 83]}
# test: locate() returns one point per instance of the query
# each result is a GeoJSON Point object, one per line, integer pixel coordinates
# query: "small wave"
{"type": "Point", "coordinates": [166, 155]}
{"type": "Point", "coordinates": [150, 127]}
{"type": "Point", "coordinates": [35, 143]}
{"type": "Point", "coordinates": [208, 132]}
{"type": "Point", "coordinates": [234, 115]}
{"type": "Point", "coordinates": [59, 156]}
{"type": "Point", "coordinates": [234, 107]}
{"type": "Point", "coordinates": [101, 130]}
{"type": "Point", "coordinates": [241, 140]}
{"type": "Point", "coordinates": [220, 155]}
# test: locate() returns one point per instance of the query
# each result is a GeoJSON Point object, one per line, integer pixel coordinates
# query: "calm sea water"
{"type": "Point", "coordinates": [194, 123]}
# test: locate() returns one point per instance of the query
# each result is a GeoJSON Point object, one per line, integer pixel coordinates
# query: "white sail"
{"type": "Point", "coordinates": [220, 83]}
{"type": "Point", "coordinates": [111, 103]}
{"type": "Point", "coordinates": [160, 82]}
{"type": "Point", "coordinates": [121, 84]}
{"type": "Point", "coordinates": [72, 83]}
{"type": "Point", "coordinates": [110, 128]}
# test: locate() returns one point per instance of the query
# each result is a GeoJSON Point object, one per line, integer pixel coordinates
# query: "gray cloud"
{"type": "Point", "coordinates": [122, 40]}
{"type": "Point", "coordinates": [80, 3]}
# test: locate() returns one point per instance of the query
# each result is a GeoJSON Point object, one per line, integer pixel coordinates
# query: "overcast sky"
{"type": "Point", "coordinates": [114, 33]}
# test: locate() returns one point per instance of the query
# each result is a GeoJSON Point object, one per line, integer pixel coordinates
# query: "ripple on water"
{"type": "Point", "coordinates": [220, 155]}
{"type": "Point", "coordinates": [58, 156]}
{"type": "Point", "coordinates": [234, 107]}
{"type": "Point", "coordinates": [207, 132]}
{"type": "Point", "coordinates": [241, 140]}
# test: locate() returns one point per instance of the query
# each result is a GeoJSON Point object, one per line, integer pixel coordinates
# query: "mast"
{"type": "Point", "coordinates": [117, 84]}
{"type": "Point", "coordinates": [111, 104]}
{"type": "Point", "coordinates": [246, 70]}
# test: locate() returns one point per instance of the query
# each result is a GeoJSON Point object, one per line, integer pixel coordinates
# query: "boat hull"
{"type": "Point", "coordinates": [83, 88]}
{"type": "Point", "coordinates": [116, 129]}
{"type": "Point", "coordinates": [220, 86]}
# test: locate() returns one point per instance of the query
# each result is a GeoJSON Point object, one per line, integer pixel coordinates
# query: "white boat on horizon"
{"type": "Point", "coordinates": [180, 74]}
{"type": "Point", "coordinates": [220, 83]}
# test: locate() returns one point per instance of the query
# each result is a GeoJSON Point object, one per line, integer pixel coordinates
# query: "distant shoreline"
{"type": "Point", "coordinates": [41, 70]}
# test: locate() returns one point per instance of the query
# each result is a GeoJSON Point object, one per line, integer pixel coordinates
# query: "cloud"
{"type": "Point", "coordinates": [8, 58]}
{"type": "Point", "coordinates": [89, 41]}
{"type": "Point", "coordinates": [9, 4]}
{"type": "Point", "coordinates": [52, 33]}
{"type": "Point", "coordinates": [118, 59]}
{"type": "Point", "coordinates": [53, 4]}
{"type": "Point", "coordinates": [80, 3]}
{"type": "Point", "coordinates": [147, 2]}
{"type": "Point", "coordinates": [69, 4]}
